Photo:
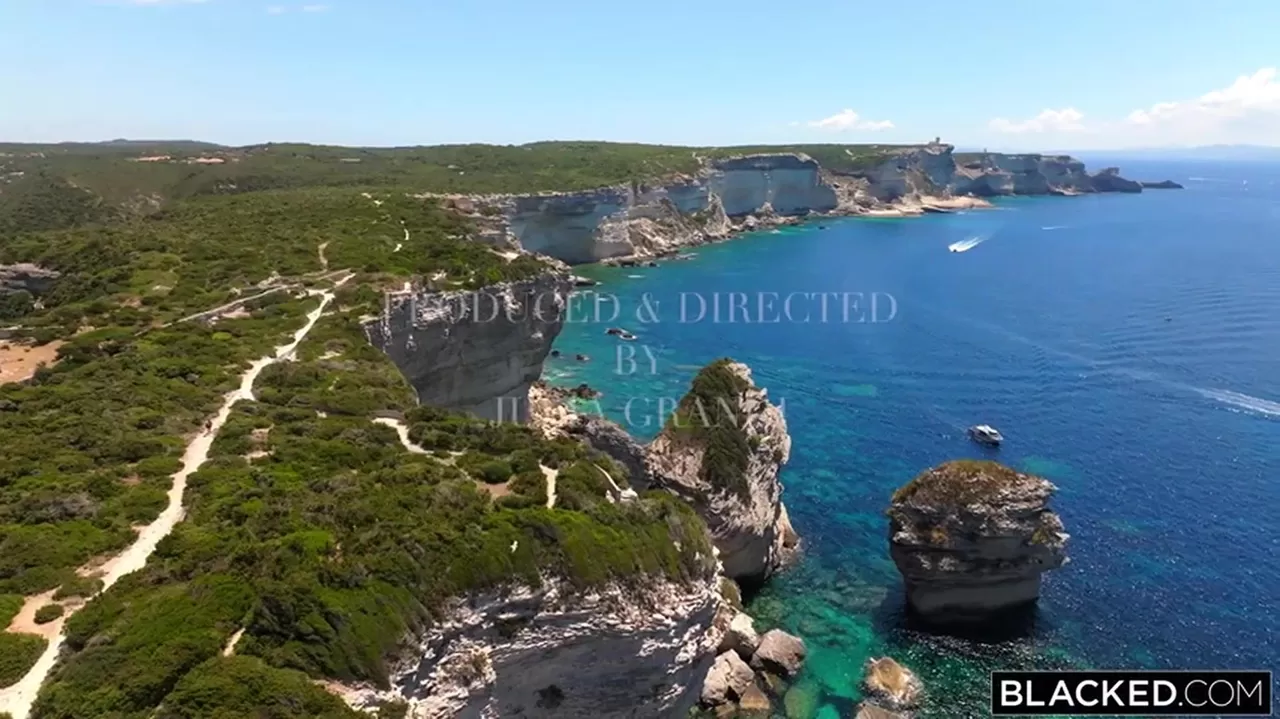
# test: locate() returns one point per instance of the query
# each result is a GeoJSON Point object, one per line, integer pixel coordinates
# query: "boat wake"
{"type": "Point", "coordinates": [1246, 402]}
{"type": "Point", "coordinates": [1054, 227]}
{"type": "Point", "coordinates": [968, 243]}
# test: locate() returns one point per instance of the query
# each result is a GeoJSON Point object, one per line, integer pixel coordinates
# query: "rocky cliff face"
{"type": "Point", "coordinates": [637, 651]}
{"type": "Point", "coordinates": [644, 220]}
{"type": "Point", "coordinates": [477, 352]}
{"type": "Point", "coordinates": [723, 456]}
{"type": "Point", "coordinates": [971, 539]}
{"type": "Point", "coordinates": [25, 277]}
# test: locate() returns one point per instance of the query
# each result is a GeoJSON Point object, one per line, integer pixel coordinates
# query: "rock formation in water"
{"type": "Point", "coordinates": [26, 277]}
{"type": "Point", "coordinates": [722, 454]}
{"type": "Point", "coordinates": [889, 689]}
{"type": "Point", "coordinates": [1109, 180]}
{"type": "Point", "coordinates": [653, 219]}
{"type": "Point", "coordinates": [971, 539]}
{"type": "Point", "coordinates": [1161, 185]}
{"type": "Point", "coordinates": [474, 351]}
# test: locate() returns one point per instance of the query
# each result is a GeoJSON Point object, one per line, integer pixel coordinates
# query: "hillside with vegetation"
{"type": "Point", "coordinates": [311, 533]}
{"type": "Point", "coordinates": [54, 186]}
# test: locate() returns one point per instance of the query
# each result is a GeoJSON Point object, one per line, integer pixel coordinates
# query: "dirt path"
{"type": "Point", "coordinates": [324, 261]}
{"type": "Point", "coordinates": [402, 431]}
{"type": "Point", "coordinates": [623, 495]}
{"type": "Point", "coordinates": [230, 648]}
{"type": "Point", "coordinates": [17, 699]}
{"type": "Point", "coordinates": [551, 475]}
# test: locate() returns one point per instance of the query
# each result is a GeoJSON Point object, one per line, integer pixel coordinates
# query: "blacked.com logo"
{"type": "Point", "coordinates": [1131, 693]}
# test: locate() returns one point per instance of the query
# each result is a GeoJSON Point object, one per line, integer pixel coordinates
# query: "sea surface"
{"type": "Point", "coordinates": [1128, 346]}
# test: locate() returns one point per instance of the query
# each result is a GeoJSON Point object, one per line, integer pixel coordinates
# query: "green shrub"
{"type": "Point", "coordinates": [495, 471]}
{"type": "Point", "coordinates": [10, 605]}
{"type": "Point", "coordinates": [78, 587]}
{"type": "Point", "coordinates": [18, 653]}
{"type": "Point", "coordinates": [48, 613]}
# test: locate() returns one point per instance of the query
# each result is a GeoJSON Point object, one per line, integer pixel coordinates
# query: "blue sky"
{"type": "Point", "coordinates": [1011, 75]}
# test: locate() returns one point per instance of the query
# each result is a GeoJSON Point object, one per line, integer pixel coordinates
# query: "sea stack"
{"type": "Point", "coordinates": [971, 539]}
{"type": "Point", "coordinates": [721, 452]}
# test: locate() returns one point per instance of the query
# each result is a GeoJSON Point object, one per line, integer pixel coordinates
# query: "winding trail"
{"type": "Point", "coordinates": [18, 698]}
{"type": "Point", "coordinates": [324, 261]}
{"type": "Point", "coordinates": [402, 431]}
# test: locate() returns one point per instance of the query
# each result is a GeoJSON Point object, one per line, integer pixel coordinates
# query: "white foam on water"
{"type": "Point", "coordinates": [1242, 401]}
{"type": "Point", "coordinates": [1054, 227]}
{"type": "Point", "coordinates": [968, 243]}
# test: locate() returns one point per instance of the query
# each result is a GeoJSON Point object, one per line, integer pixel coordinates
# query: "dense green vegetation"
{"type": "Point", "coordinates": [310, 528]}
{"type": "Point", "coordinates": [333, 542]}
{"type": "Point", "coordinates": [200, 254]}
{"type": "Point", "coordinates": [709, 414]}
{"type": "Point", "coordinates": [17, 653]}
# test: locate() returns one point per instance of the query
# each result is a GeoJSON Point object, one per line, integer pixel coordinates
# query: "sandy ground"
{"type": "Point", "coordinates": [19, 361]}
{"type": "Point", "coordinates": [551, 475]}
{"type": "Point", "coordinates": [324, 261]}
{"type": "Point", "coordinates": [18, 698]}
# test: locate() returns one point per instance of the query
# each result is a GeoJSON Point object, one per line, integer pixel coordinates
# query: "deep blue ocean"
{"type": "Point", "coordinates": [1128, 346]}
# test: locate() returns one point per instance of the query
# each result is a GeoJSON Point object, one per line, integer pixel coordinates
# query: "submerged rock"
{"type": "Point", "coordinates": [891, 686]}
{"type": "Point", "coordinates": [971, 539]}
{"type": "Point", "coordinates": [722, 453]}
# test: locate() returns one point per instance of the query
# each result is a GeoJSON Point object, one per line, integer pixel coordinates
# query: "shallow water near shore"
{"type": "Point", "coordinates": [1127, 347]}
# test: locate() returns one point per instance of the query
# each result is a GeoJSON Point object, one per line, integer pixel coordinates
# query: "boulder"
{"type": "Point", "coordinates": [728, 679]}
{"type": "Point", "coordinates": [779, 653]}
{"type": "Point", "coordinates": [741, 636]}
{"type": "Point", "coordinates": [722, 454]}
{"type": "Point", "coordinates": [754, 702]}
{"type": "Point", "coordinates": [890, 685]}
{"type": "Point", "coordinates": [971, 539]}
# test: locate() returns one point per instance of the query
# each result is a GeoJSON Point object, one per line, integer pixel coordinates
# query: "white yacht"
{"type": "Point", "coordinates": [985, 434]}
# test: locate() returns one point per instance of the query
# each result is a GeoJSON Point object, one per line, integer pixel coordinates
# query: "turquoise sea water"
{"type": "Point", "coordinates": [1128, 347]}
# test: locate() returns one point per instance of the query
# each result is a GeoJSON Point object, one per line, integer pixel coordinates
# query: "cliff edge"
{"type": "Point", "coordinates": [971, 539]}
{"type": "Point", "coordinates": [474, 351]}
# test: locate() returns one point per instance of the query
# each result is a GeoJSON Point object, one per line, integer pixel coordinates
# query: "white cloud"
{"type": "Point", "coordinates": [846, 120]}
{"type": "Point", "coordinates": [1068, 119]}
{"type": "Point", "coordinates": [160, 2]}
{"type": "Point", "coordinates": [1247, 111]}
{"type": "Point", "coordinates": [282, 9]}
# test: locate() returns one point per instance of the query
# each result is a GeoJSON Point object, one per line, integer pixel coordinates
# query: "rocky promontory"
{"type": "Point", "coordinates": [1161, 185]}
{"type": "Point", "coordinates": [972, 538]}
{"type": "Point", "coordinates": [722, 452]}
{"type": "Point", "coordinates": [477, 351]}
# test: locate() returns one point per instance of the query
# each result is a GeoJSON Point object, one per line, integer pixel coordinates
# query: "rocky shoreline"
{"type": "Point", "coordinates": [728, 196]}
